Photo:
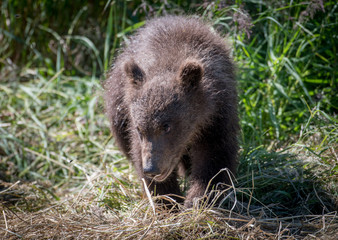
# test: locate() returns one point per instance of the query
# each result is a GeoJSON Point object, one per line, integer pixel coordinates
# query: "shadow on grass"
{"type": "Point", "coordinates": [281, 184]}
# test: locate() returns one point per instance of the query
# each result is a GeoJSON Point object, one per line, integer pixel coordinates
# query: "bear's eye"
{"type": "Point", "coordinates": [166, 128]}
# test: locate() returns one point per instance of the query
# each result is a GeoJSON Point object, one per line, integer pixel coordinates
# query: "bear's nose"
{"type": "Point", "coordinates": [151, 170]}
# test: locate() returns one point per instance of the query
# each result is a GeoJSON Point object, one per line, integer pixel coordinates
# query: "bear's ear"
{"type": "Point", "coordinates": [191, 73]}
{"type": "Point", "coordinates": [134, 73]}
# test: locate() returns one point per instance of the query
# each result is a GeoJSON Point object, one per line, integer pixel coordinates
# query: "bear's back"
{"type": "Point", "coordinates": [164, 43]}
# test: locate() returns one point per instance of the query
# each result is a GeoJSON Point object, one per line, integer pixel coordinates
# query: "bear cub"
{"type": "Point", "coordinates": [171, 101]}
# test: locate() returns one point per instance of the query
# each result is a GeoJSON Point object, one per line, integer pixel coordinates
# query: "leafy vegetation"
{"type": "Point", "coordinates": [59, 166]}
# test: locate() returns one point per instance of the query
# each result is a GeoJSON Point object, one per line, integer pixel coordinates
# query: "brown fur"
{"type": "Point", "coordinates": [171, 100]}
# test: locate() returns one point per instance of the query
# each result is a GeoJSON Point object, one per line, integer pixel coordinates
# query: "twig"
{"type": "Point", "coordinates": [9, 187]}
{"type": "Point", "coordinates": [6, 230]}
{"type": "Point", "coordinates": [152, 206]}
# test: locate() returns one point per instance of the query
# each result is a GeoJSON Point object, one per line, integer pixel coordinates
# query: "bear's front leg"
{"type": "Point", "coordinates": [201, 185]}
{"type": "Point", "coordinates": [208, 158]}
{"type": "Point", "coordinates": [196, 191]}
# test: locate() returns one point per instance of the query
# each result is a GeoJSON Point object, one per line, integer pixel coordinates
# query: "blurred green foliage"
{"type": "Point", "coordinates": [286, 51]}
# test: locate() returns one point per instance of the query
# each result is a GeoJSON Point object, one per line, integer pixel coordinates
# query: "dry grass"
{"type": "Point", "coordinates": [90, 212]}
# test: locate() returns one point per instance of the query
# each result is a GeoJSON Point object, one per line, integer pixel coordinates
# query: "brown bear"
{"type": "Point", "coordinates": [172, 104]}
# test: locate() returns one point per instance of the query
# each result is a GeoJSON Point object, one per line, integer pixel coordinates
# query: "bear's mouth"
{"type": "Point", "coordinates": [164, 175]}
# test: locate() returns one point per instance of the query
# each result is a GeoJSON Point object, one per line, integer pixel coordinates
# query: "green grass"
{"type": "Point", "coordinates": [59, 166]}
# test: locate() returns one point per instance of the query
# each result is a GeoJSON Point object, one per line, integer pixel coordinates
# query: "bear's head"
{"type": "Point", "coordinates": [166, 112]}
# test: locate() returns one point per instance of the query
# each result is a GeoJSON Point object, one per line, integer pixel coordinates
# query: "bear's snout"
{"type": "Point", "coordinates": [151, 169]}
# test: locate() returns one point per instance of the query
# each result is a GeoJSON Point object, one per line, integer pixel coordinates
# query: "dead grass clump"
{"type": "Point", "coordinates": [82, 215]}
